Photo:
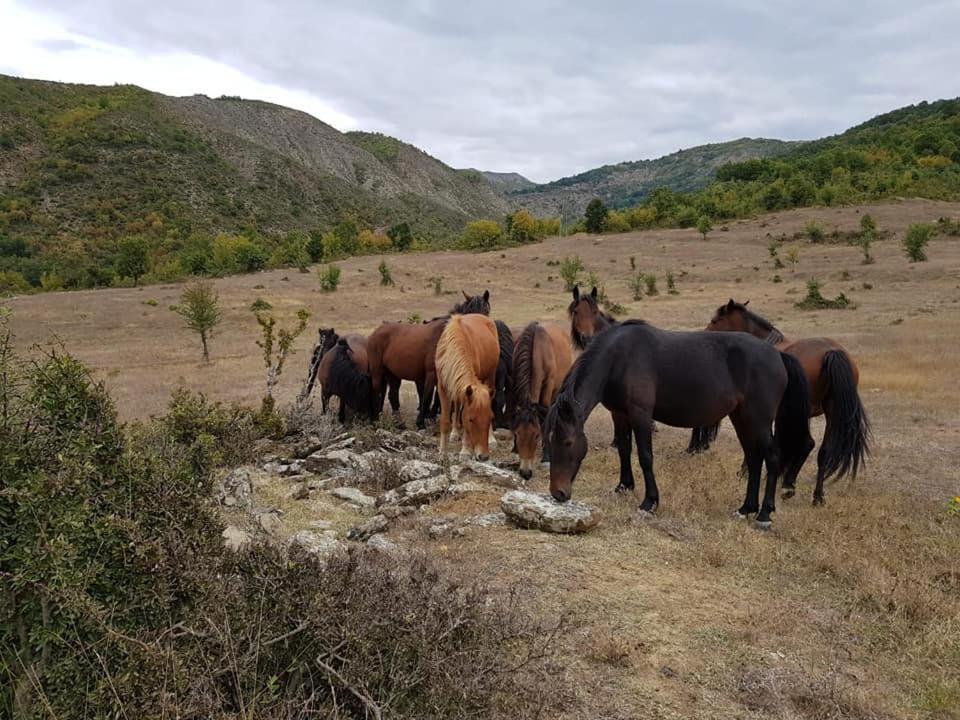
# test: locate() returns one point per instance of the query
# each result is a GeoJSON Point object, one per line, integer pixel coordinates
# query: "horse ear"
{"type": "Point", "coordinates": [731, 305]}
{"type": "Point", "coordinates": [576, 293]}
{"type": "Point", "coordinates": [486, 296]}
{"type": "Point", "coordinates": [747, 302]}
{"type": "Point", "coordinates": [465, 296]}
{"type": "Point", "coordinates": [594, 292]}
{"type": "Point", "coordinates": [565, 410]}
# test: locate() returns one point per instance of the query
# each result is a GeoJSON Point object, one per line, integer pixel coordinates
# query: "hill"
{"type": "Point", "coordinates": [628, 183]}
{"type": "Point", "coordinates": [507, 181]}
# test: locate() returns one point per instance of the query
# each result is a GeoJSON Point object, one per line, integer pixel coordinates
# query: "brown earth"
{"type": "Point", "coordinates": [847, 611]}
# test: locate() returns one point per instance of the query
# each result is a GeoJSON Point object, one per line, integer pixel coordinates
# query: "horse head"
{"type": "Point", "coordinates": [527, 431]}
{"type": "Point", "coordinates": [476, 418]}
{"type": "Point", "coordinates": [473, 304]}
{"type": "Point", "coordinates": [586, 318]}
{"type": "Point", "coordinates": [567, 443]}
{"type": "Point", "coordinates": [730, 317]}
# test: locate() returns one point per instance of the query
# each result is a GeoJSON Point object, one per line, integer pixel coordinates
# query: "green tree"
{"type": "Point", "coordinates": [329, 278]}
{"type": "Point", "coordinates": [315, 246]}
{"type": "Point", "coordinates": [482, 234]}
{"type": "Point", "coordinates": [523, 227]}
{"type": "Point", "coordinates": [401, 236]}
{"type": "Point", "coordinates": [132, 258]}
{"type": "Point", "coordinates": [348, 234]}
{"type": "Point", "coordinates": [200, 308]}
{"type": "Point", "coordinates": [595, 216]}
{"type": "Point", "coordinates": [704, 226]}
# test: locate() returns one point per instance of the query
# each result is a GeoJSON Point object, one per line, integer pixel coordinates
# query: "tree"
{"type": "Point", "coordinates": [915, 241]}
{"type": "Point", "coordinates": [401, 236]}
{"type": "Point", "coordinates": [523, 227]}
{"type": "Point", "coordinates": [704, 226]}
{"type": "Point", "coordinates": [596, 216]}
{"type": "Point", "coordinates": [482, 234]}
{"type": "Point", "coordinates": [348, 234]}
{"type": "Point", "coordinates": [274, 357]}
{"type": "Point", "coordinates": [200, 308]}
{"type": "Point", "coordinates": [132, 258]}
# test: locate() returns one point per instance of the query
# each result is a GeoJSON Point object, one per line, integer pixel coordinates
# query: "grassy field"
{"type": "Point", "coordinates": [851, 610]}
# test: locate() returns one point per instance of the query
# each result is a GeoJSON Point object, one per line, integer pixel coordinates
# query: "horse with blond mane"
{"type": "Point", "coordinates": [468, 353]}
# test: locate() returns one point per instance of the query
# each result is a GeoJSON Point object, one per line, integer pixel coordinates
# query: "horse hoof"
{"type": "Point", "coordinates": [642, 515]}
{"type": "Point", "coordinates": [620, 489]}
{"type": "Point", "coordinates": [819, 501]}
{"type": "Point", "coordinates": [788, 493]}
{"type": "Point", "coordinates": [737, 515]}
{"type": "Point", "coordinates": [763, 524]}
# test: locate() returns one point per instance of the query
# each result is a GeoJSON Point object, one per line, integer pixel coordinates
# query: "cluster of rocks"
{"type": "Point", "coordinates": [338, 465]}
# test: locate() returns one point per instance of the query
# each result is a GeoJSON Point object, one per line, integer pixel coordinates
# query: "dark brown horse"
{"type": "Point", "coordinates": [833, 377]}
{"type": "Point", "coordinates": [685, 379]}
{"type": "Point", "coordinates": [346, 378]}
{"type": "Point", "coordinates": [407, 352]}
{"type": "Point", "coordinates": [541, 359]}
{"type": "Point", "coordinates": [586, 318]}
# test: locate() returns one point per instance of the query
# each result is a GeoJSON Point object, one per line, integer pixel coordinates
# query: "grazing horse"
{"type": "Point", "coordinates": [322, 360]}
{"type": "Point", "coordinates": [541, 359]}
{"type": "Point", "coordinates": [586, 318]}
{"type": "Point", "coordinates": [685, 379]}
{"type": "Point", "coordinates": [467, 356]}
{"type": "Point", "coordinates": [407, 352]}
{"type": "Point", "coordinates": [833, 378]}
{"type": "Point", "coordinates": [347, 380]}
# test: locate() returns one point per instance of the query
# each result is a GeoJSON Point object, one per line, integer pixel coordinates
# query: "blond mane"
{"type": "Point", "coordinates": [454, 367]}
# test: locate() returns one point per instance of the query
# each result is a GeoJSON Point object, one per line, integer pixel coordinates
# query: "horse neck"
{"type": "Point", "coordinates": [589, 384]}
{"type": "Point", "coordinates": [771, 335]}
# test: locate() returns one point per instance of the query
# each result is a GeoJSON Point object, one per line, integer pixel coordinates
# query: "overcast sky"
{"type": "Point", "coordinates": [543, 88]}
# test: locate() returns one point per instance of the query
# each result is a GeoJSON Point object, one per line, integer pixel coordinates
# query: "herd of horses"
{"type": "Point", "coordinates": [543, 380]}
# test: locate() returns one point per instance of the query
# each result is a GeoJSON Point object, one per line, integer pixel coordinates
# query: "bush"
{"type": "Point", "coordinates": [570, 269]}
{"type": "Point", "coordinates": [329, 279]}
{"type": "Point", "coordinates": [650, 281]}
{"type": "Point", "coordinates": [401, 236]}
{"type": "Point", "coordinates": [259, 305]}
{"type": "Point", "coordinates": [704, 226]}
{"type": "Point", "coordinates": [915, 241]}
{"type": "Point", "coordinates": [636, 285]}
{"type": "Point", "coordinates": [815, 301]}
{"type": "Point", "coordinates": [371, 241]}
{"type": "Point", "coordinates": [437, 282]}
{"type": "Point", "coordinates": [616, 222]}
{"type": "Point", "coordinates": [482, 235]}
{"type": "Point", "coordinates": [815, 231]}
{"type": "Point", "coordinates": [13, 282]}
{"type": "Point", "coordinates": [947, 226]}
{"type": "Point", "coordinates": [671, 284]}
{"type": "Point", "coordinates": [595, 216]}
{"type": "Point", "coordinates": [386, 278]}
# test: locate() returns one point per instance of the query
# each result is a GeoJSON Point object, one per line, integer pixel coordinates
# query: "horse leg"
{"type": "Point", "coordinates": [753, 458]}
{"type": "Point", "coordinates": [324, 401]}
{"type": "Point", "coordinates": [643, 432]}
{"type": "Point", "coordinates": [791, 472]}
{"type": "Point", "coordinates": [393, 386]}
{"type": "Point", "coordinates": [342, 412]}
{"type": "Point", "coordinates": [444, 422]}
{"type": "Point", "coordinates": [772, 460]}
{"type": "Point", "coordinates": [624, 445]}
{"type": "Point", "coordinates": [818, 498]}
{"type": "Point", "coordinates": [426, 398]}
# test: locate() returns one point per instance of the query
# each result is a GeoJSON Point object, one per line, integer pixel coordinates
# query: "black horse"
{"type": "Point", "coordinates": [685, 379]}
{"type": "Point", "coordinates": [327, 338]}
{"type": "Point", "coordinates": [347, 382]}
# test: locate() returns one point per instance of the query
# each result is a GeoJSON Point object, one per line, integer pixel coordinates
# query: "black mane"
{"type": "Point", "coordinates": [773, 333]}
{"type": "Point", "coordinates": [354, 388]}
{"type": "Point", "coordinates": [523, 362]}
{"type": "Point", "coordinates": [478, 304]}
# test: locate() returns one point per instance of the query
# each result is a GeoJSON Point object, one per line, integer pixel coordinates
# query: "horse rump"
{"type": "Point", "coordinates": [792, 425]}
{"type": "Point", "coordinates": [846, 442]}
{"type": "Point", "coordinates": [346, 381]}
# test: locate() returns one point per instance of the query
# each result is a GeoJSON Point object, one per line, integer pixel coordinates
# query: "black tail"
{"type": "Point", "coordinates": [504, 374]}
{"type": "Point", "coordinates": [792, 428]}
{"type": "Point", "coordinates": [846, 442]}
{"type": "Point", "coordinates": [354, 388]}
{"type": "Point", "coordinates": [701, 438]}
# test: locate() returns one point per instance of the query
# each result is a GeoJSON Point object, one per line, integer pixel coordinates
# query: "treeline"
{"type": "Point", "coordinates": [517, 228]}
{"type": "Point", "coordinates": [912, 152]}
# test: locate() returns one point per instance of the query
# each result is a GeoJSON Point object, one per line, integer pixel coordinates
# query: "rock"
{"type": "Point", "coordinates": [321, 525]}
{"type": "Point", "coordinates": [497, 519]}
{"type": "Point", "coordinates": [269, 520]}
{"type": "Point", "coordinates": [490, 472]}
{"type": "Point", "coordinates": [301, 492]}
{"type": "Point", "coordinates": [353, 496]}
{"type": "Point", "coordinates": [340, 442]}
{"type": "Point", "coordinates": [470, 487]}
{"type": "Point", "coordinates": [236, 539]}
{"type": "Point", "coordinates": [312, 544]}
{"type": "Point", "coordinates": [503, 434]}
{"type": "Point", "coordinates": [419, 470]}
{"type": "Point", "coordinates": [531, 510]}
{"type": "Point", "coordinates": [324, 484]}
{"type": "Point", "coordinates": [389, 441]}
{"type": "Point", "coordinates": [415, 492]}
{"type": "Point", "coordinates": [379, 542]}
{"type": "Point", "coordinates": [443, 529]}
{"type": "Point", "coordinates": [394, 511]}
{"type": "Point", "coordinates": [295, 467]}
{"type": "Point", "coordinates": [324, 462]}
{"type": "Point", "coordinates": [376, 524]}
{"type": "Point", "coordinates": [307, 447]}
{"type": "Point", "coordinates": [411, 437]}
{"type": "Point", "coordinates": [235, 489]}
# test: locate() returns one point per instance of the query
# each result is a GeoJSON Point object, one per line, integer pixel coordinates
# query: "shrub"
{"type": "Point", "coordinates": [595, 216]}
{"type": "Point", "coordinates": [815, 301]}
{"type": "Point", "coordinates": [259, 305]}
{"type": "Point", "coordinates": [386, 278]}
{"type": "Point", "coordinates": [200, 308]}
{"type": "Point", "coordinates": [401, 236]}
{"type": "Point", "coordinates": [570, 269]}
{"type": "Point", "coordinates": [633, 263]}
{"type": "Point", "coordinates": [50, 281]}
{"type": "Point", "coordinates": [276, 346]}
{"type": "Point", "coordinates": [482, 234]}
{"type": "Point", "coordinates": [371, 241]}
{"type": "Point", "coordinates": [329, 278]}
{"type": "Point", "coordinates": [915, 241]}
{"type": "Point", "coordinates": [636, 285]}
{"type": "Point", "coordinates": [704, 226]}
{"type": "Point", "coordinates": [815, 232]}
{"type": "Point", "coordinates": [947, 226]}
{"type": "Point", "coordinates": [131, 260]}
{"type": "Point", "coordinates": [793, 257]}
{"type": "Point", "coordinates": [650, 281]}
{"type": "Point", "coordinates": [671, 284]}
{"type": "Point", "coordinates": [616, 222]}
{"type": "Point", "coordinates": [437, 282]}
{"type": "Point", "coordinates": [12, 282]}
{"type": "Point", "coordinates": [774, 250]}
{"type": "Point", "coordinates": [524, 228]}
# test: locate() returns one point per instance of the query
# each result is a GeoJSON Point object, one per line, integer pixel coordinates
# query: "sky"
{"type": "Point", "coordinates": [547, 89]}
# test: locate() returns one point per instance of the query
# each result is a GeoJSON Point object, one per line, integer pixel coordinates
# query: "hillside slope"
{"type": "Point", "coordinates": [628, 183]}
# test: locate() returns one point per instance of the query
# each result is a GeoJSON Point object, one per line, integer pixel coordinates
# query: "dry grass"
{"type": "Point", "coordinates": [851, 610]}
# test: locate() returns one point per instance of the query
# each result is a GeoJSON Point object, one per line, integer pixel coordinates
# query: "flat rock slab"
{"type": "Point", "coordinates": [475, 468]}
{"type": "Point", "coordinates": [375, 525]}
{"type": "Point", "coordinates": [313, 544]}
{"type": "Point", "coordinates": [419, 470]}
{"type": "Point", "coordinates": [542, 512]}
{"type": "Point", "coordinates": [353, 496]}
{"type": "Point", "coordinates": [415, 492]}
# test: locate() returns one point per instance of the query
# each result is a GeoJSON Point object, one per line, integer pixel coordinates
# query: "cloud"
{"type": "Point", "coordinates": [543, 88]}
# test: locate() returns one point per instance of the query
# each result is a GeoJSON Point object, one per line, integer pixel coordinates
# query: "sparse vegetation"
{"type": "Point", "coordinates": [671, 284]}
{"type": "Point", "coordinates": [704, 225]}
{"type": "Point", "coordinates": [437, 282]}
{"type": "Point", "coordinates": [815, 231]}
{"type": "Point", "coordinates": [868, 233]}
{"type": "Point", "coordinates": [276, 345]}
{"type": "Point", "coordinates": [386, 278]}
{"type": "Point", "coordinates": [793, 257]}
{"type": "Point", "coordinates": [814, 300]}
{"type": "Point", "coordinates": [915, 241]}
{"type": "Point", "coordinates": [636, 285]}
{"type": "Point", "coordinates": [650, 281]}
{"type": "Point", "coordinates": [329, 278]}
{"type": "Point", "coordinates": [199, 307]}
{"type": "Point", "coordinates": [570, 269]}
{"type": "Point", "coordinates": [773, 249]}
{"type": "Point", "coordinates": [948, 226]}
{"type": "Point", "coordinates": [260, 305]}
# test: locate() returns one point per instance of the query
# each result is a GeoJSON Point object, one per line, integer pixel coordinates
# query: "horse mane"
{"type": "Point", "coordinates": [523, 363]}
{"type": "Point", "coordinates": [505, 339]}
{"type": "Point", "coordinates": [354, 388]}
{"type": "Point", "coordinates": [774, 335]}
{"type": "Point", "coordinates": [453, 361]}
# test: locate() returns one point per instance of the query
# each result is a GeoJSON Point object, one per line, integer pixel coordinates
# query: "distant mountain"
{"type": "Point", "coordinates": [628, 183]}
{"type": "Point", "coordinates": [507, 182]}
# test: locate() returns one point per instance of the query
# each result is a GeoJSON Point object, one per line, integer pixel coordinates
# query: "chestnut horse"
{"type": "Point", "coordinates": [685, 379]}
{"type": "Point", "coordinates": [407, 352]}
{"type": "Point", "coordinates": [466, 366]}
{"type": "Point", "coordinates": [833, 377]}
{"type": "Point", "coordinates": [541, 359]}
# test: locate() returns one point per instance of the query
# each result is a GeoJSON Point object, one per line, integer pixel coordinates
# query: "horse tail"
{"type": "Point", "coordinates": [846, 443]}
{"type": "Point", "coordinates": [345, 380]}
{"type": "Point", "coordinates": [501, 400]}
{"type": "Point", "coordinates": [792, 426]}
{"type": "Point", "coordinates": [701, 438]}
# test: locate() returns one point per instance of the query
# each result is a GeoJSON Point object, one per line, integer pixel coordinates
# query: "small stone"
{"type": "Point", "coordinates": [394, 511]}
{"type": "Point", "coordinates": [470, 487]}
{"type": "Point", "coordinates": [236, 539]}
{"type": "Point", "coordinates": [236, 488]}
{"type": "Point", "coordinates": [490, 472]}
{"type": "Point", "coordinates": [415, 492]}
{"type": "Point", "coordinates": [419, 470]}
{"type": "Point", "coordinates": [294, 468]}
{"type": "Point", "coordinates": [439, 530]}
{"type": "Point", "coordinates": [324, 462]}
{"type": "Point", "coordinates": [309, 543]}
{"type": "Point", "coordinates": [379, 542]}
{"type": "Point", "coordinates": [301, 492]}
{"type": "Point", "coordinates": [353, 496]}
{"type": "Point", "coordinates": [541, 512]}
{"type": "Point", "coordinates": [269, 521]}
{"type": "Point", "coordinates": [376, 524]}
{"type": "Point", "coordinates": [322, 484]}
{"type": "Point", "coordinates": [497, 519]}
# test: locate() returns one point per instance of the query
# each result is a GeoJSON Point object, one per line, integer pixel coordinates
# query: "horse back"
{"type": "Point", "coordinates": [482, 339]}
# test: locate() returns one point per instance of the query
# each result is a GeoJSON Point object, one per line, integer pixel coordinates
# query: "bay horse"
{"type": "Point", "coordinates": [466, 364]}
{"type": "Point", "coordinates": [833, 378]}
{"type": "Point", "coordinates": [586, 318]}
{"type": "Point", "coordinates": [644, 374]}
{"type": "Point", "coordinates": [407, 352]}
{"type": "Point", "coordinates": [541, 359]}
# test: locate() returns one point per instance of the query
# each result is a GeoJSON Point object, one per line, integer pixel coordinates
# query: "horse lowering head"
{"type": "Point", "coordinates": [476, 418]}
{"type": "Point", "coordinates": [527, 423]}
{"type": "Point", "coordinates": [586, 318]}
{"type": "Point", "coordinates": [473, 304]}
{"type": "Point", "coordinates": [731, 317]}
{"type": "Point", "coordinates": [568, 445]}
